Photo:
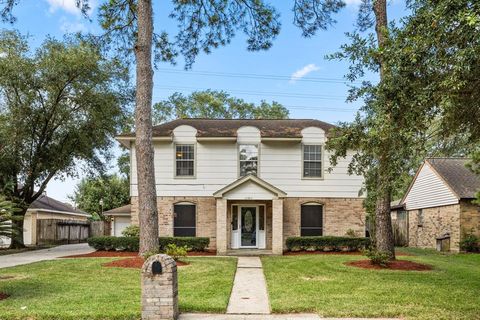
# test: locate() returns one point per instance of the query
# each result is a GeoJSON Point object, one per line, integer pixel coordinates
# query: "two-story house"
{"type": "Point", "coordinates": [249, 183]}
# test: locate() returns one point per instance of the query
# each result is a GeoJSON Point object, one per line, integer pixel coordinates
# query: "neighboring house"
{"type": "Point", "coordinates": [119, 219]}
{"type": "Point", "coordinates": [48, 208]}
{"type": "Point", "coordinates": [439, 204]}
{"type": "Point", "coordinates": [249, 183]}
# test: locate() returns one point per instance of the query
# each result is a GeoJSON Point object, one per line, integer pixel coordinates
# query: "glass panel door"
{"type": "Point", "coordinates": [248, 220]}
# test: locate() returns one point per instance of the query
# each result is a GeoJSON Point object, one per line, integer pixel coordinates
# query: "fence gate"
{"type": "Point", "coordinates": [400, 229]}
{"type": "Point", "coordinates": [54, 231]}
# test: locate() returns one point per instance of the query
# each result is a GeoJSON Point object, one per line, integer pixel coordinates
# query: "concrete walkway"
{"type": "Point", "coordinates": [27, 257]}
{"type": "Point", "coordinates": [294, 316]}
{"type": "Point", "coordinates": [249, 293]}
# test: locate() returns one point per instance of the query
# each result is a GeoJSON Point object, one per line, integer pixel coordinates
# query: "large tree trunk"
{"type": "Point", "coordinates": [147, 198]}
{"type": "Point", "coordinates": [383, 224]}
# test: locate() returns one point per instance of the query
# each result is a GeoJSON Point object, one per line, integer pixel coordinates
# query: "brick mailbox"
{"type": "Point", "coordinates": [159, 288]}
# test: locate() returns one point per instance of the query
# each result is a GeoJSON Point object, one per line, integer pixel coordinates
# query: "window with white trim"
{"type": "Point", "coordinates": [184, 220]}
{"type": "Point", "coordinates": [248, 157]}
{"type": "Point", "coordinates": [312, 161]}
{"type": "Point", "coordinates": [184, 160]}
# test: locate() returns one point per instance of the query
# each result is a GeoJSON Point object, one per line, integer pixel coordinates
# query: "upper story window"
{"type": "Point", "coordinates": [312, 161]}
{"type": "Point", "coordinates": [184, 160]}
{"type": "Point", "coordinates": [248, 155]}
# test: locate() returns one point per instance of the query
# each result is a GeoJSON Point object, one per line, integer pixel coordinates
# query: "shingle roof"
{"type": "Point", "coordinates": [463, 181]}
{"type": "Point", "coordinates": [271, 128]}
{"type": "Point", "coordinates": [120, 210]}
{"type": "Point", "coordinates": [49, 204]}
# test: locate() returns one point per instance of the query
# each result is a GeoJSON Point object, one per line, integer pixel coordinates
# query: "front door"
{"type": "Point", "coordinates": [248, 227]}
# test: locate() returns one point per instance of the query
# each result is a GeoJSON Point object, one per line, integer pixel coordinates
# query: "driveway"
{"type": "Point", "coordinates": [27, 257]}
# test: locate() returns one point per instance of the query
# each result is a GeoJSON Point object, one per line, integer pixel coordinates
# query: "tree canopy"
{"type": "Point", "coordinates": [96, 195]}
{"type": "Point", "coordinates": [214, 104]}
{"type": "Point", "coordinates": [60, 106]}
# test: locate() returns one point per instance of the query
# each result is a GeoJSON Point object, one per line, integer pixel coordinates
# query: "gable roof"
{"type": "Point", "coordinates": [127, 209]}
{"type": "Point", "coordinates": [45, 203]}
{"type": "Point", "coordinates": [249, 178]}
{"type": "Point", "coordinates": [463, 182]}
{"type": "Point", "coordinates": [269, 128]}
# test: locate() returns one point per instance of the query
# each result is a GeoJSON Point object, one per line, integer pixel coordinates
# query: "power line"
{"type": "Point", "coordinates": [258, 76]}
{"type": "Point", "coordinates": [262, 93]}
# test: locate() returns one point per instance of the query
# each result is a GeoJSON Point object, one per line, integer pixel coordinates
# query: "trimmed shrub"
{"type": "Point", "coordinates": [327, 243]}
{"type": "Point", "coordinates": [131, 231]}
{"type": "Point", "coordinates": [114, 243]}
{"type": "Point", "coordinates": [470, 243]}
{"type": "Point", "coordinates": [132, 244]}
{"type": "Point", "coordinates": [376, 257]}
{"type": "Point", "coordinates": [193, 243]}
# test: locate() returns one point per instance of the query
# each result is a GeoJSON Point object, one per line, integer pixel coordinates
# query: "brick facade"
{"type": "Point", "coordinates": [340, 216]}
{"type": "Point", "coordinates": [436, 222]}
{"type": "Point", "coordinates": [458, 220]}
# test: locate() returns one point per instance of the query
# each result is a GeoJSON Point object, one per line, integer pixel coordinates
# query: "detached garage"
{"type": "Point", "coordinates": [120, 219]}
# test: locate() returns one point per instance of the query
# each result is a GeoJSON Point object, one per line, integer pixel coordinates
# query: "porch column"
{"type": "Point", "coordinates": [277, 226]}
{"type": "Point", "coordinates": [221, 226]}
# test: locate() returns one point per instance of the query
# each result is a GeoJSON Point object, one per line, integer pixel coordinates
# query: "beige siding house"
{"type": "Point", "coordinates": [438, 203]}
{"type": "Point", "coordinates": [249, 184]}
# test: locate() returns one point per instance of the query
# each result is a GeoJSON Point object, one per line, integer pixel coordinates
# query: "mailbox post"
{"type": "Point", "coordinates": [159, 288]}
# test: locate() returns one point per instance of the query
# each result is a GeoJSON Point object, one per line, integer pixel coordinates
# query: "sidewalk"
{"type": "Point", "coordinates": [16, 259]}
{"type": "Point", "coordinates": [249, 293]}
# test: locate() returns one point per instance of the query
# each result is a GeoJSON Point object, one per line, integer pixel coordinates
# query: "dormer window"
{"type": "Point", "coordinates": [184, 160]}
{"type": "Point", "coordinates": [312, 161]}
{"type": "Point", "coordinates": [248, 157]}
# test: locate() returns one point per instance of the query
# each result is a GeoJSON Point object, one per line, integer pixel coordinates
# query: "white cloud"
{"type": "Point", "coordinates": [72, 26]}
{"type": "Point", "coordinates": [300, 73]}
{"type": "Point", "coordinates": [69, 6]}
{"type": "Point", "coordinates": [3, 54]}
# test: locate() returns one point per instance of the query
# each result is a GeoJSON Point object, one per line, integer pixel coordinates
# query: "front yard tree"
{"type": "Point", "coordinates": [202, 27]}
{"type": "Point", "coordinates": [213, 104]}
{"type": "Point", "coordinates": [370, 134]}
{"type": "Point", "coordinates": [60, 106]}
{"type": "Point", "coordinates": [95, 195]}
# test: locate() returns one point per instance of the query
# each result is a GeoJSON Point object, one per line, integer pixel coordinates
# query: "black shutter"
{"type": "Point", "coordinates": [184, 220]}
{"type": "Point", "coordinates": [311, 220]}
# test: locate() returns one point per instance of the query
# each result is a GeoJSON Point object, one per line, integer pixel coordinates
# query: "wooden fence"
{"type": "Point", "coordinates": [54, 231]}
{"type": "Point", "coordinates": [400, 229]}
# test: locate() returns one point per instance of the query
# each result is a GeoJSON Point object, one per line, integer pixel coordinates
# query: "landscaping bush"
{"type": "Point", "coordinates": [176, 252]}
{"type": "Point", "coordinates": [376, 257]}
{"type": "Point", "coordinates": [132, 243]}
{"type": "Point", "coordinates": [131, 231]}
{"type": "Point", "coordinates": [193, 243]}
{"type": "Point", "coordinates": [327, 243]}
{"type": "Point", "coordinates": [470, 243]}
{"type": "Point", "coordinates": [114, 243]}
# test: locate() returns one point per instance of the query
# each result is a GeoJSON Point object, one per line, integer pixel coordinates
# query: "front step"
{"type": "Point", "coordinates": [248, 252]}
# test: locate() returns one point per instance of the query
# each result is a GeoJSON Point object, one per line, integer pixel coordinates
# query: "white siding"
{"type": "Point", "coordinates": [246, 190]}
{"type": "Point", "coordinates": [429, 190]}
{"type": "Point", "coordinates": [280, 164]}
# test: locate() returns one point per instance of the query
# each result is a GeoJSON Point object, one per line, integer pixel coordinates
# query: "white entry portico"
{"type": "Point", "coordinates": [249, 216]}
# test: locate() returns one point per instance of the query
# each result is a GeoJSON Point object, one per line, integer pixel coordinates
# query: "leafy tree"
{"type": "Point", "coordinates": [372, 134]}
{"type": "Point", "coordinates": [202, 26]}
{"type": "Point", "coordinates": [59, 106]}
{"type": "Point", "coordinates": [96, 195]}
{"type": "Point", "coordinates": [213, 104]}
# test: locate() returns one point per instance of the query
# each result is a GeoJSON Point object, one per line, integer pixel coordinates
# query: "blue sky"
{"type": "Point", "coordinates": [293, 72]}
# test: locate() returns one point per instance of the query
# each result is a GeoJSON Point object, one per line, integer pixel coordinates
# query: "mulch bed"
{"type": "Point", "coordinates": [110, 254]}
{"type": "Point", "coordinates": [135, 263]}
{"type": "Point", "coordinates": [404, 265]}
{"type": "Point", "coordinates": [348, 253]}
{"type": "Point", "coordinates": [3, 296]}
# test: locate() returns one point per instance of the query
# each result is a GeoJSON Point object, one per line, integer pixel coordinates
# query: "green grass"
{"type": "Point", "coordinates": [324, 285]}
{"type": "Point", "coordinates": [83, 289]}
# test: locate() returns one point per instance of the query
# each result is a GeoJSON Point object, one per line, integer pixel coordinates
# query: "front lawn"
{"type": "Point", "coordinates": [83, 289]}
{"type": "Point", "coordinates": [324, 285]}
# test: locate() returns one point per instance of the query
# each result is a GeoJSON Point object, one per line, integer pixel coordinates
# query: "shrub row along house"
{"type": "Point", "coordinates": [438, 204]}
{"type": "Point", "coordinates": [249, 184]}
